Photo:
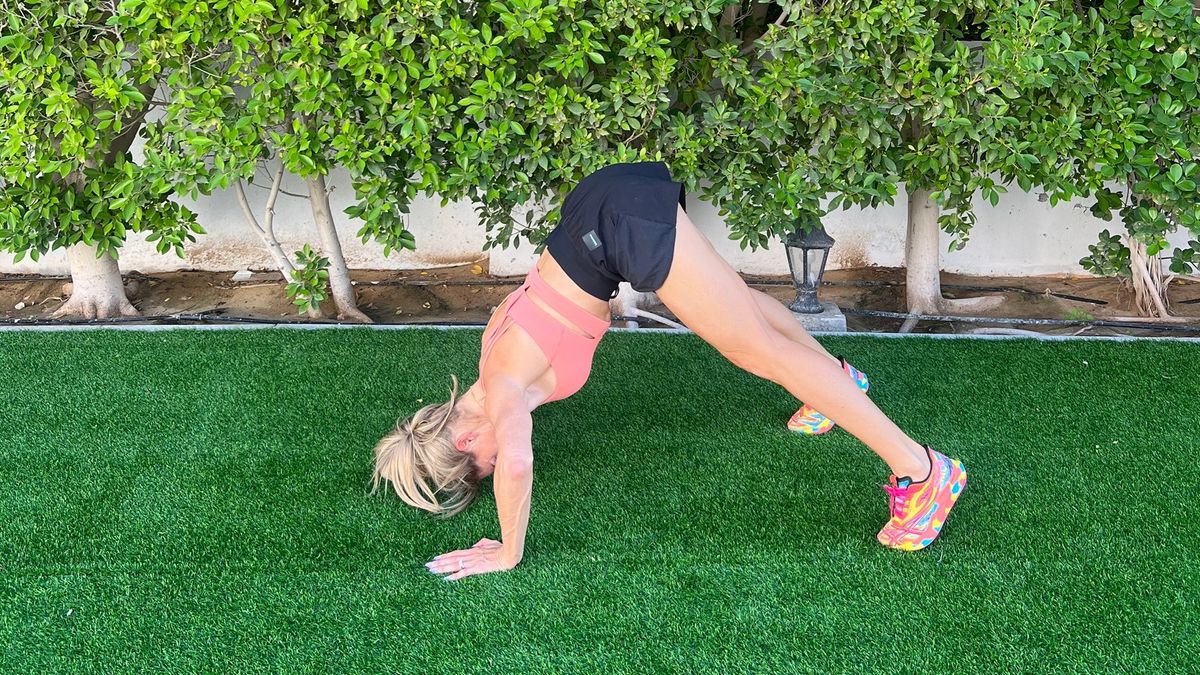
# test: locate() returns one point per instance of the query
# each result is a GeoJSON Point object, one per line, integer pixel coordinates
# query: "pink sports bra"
{"type": "Point", "coordinates": [569, 352]}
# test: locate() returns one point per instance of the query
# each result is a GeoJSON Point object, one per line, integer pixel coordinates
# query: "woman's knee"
{"type": "Point", "coordinates": [757, 356]}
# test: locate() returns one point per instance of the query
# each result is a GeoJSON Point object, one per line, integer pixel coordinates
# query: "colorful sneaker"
{"type": "Point", "coordinates": [919, 509]}
{"type": "Point", "coordinates": [812, 423]}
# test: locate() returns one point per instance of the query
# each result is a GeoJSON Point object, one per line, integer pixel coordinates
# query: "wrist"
{"type": "Point", "coordinates": [510, 556]}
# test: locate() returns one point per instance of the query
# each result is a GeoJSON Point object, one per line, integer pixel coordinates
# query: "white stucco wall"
{"type": "Point", "coordinates": [1019, 236]}
{"type": "Point", "coordinates": [449, 235]}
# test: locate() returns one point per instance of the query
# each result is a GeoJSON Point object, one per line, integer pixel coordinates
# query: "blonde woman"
{"type": "Point", "coordinates": [627, 222]}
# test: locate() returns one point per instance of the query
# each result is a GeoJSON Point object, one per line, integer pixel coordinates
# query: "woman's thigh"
{"type": "Point", "coordinates": [710, 298]}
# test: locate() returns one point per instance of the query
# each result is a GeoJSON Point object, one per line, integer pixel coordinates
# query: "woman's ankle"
{"type": "Point", "coordinates": [916, 467]}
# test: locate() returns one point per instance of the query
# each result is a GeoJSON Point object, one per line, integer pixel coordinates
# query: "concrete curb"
{"type": "Point", "coordinates": [303, 326]}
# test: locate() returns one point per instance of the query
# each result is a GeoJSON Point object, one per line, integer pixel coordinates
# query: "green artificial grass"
{"type": "Point", "coordinates": [197, 501]}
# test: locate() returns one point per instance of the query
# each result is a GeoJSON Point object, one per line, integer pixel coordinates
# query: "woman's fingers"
{"type": "Point", "coordinates": [475, 566]}
{"type": "Point", "coordinates": [453, 554]}
{"type": "Point", "coordinates": [466, 569]}
{"type": "Point", "coordinates": [449, 561]}
{"type": "Point", "coordinates": [475, 560]}
{"type": "Point", "coordinates": [463, 573]}
{"type": "Point", "coordinates": [447, 564]}
{"type": "Point", "coordinates": [459, 575]}
{"type": "Point", "coordinates": [453, 562]}
{"type": "Point", "coordinates": [484, 543]}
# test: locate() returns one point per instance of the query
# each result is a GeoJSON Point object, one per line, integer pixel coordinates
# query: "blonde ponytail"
{"type": "Point", "coordinates": [420, 461]}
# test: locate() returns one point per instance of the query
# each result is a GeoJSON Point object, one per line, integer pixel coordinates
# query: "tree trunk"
{"type": "Point", "coordinates": [1149, 283]}
{"type": "Point", "coordinates": [730, 15]}
{"type": "Point", "coordinates": [922, 252]}
{"type": "Point", "coordinates": [339, 275]}
{"type": "Point", "coordinates": [922, 248]}
{"type": "Point", "coordinates": [96, 288]}
{"type": "Point", "coordinates": [755, 27]}
{"type": "Point", "coordinates": [267, 231]}
{"type": "Point", "coordinates": [922, 261]}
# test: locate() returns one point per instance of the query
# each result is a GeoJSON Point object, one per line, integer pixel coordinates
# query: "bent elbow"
{"type": "Point", "coordinates": [517, 467]}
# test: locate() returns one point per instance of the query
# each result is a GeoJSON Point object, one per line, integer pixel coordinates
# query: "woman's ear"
{"type": "Point", "coordinates": [461, 442]}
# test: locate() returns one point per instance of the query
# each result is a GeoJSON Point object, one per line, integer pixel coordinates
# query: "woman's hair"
{"type": "Point", "coordinates": [420, 461]}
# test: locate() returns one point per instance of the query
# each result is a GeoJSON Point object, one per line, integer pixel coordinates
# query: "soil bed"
{"type": "Point", "coordinates": [466, 294]}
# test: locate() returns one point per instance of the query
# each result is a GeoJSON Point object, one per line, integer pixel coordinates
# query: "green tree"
{"type": "Point", "coordinates": [509, 103]}
{"type": "Point", "coordinates": [1142, 112]}
{"type": "Point", "coordinates": [300, 105]}
{"type": "Point", "coordinates": [950, 99]}
{"type": "Point", "coordinates": [766, 110]}
{"type": "Point", "coordinates": [77, 80]}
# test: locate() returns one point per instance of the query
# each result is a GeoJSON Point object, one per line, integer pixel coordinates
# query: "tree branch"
{"type": "Point", "coordinates": [282, 192]}
{"type": "Point", "coordinates": [129, 127]}
{"type": "Point", "coordinates": [270, 219]}
{"type": "Point", "coordinates": [783, 16]}
{"type": "Point", "coordinates": [267, 231]}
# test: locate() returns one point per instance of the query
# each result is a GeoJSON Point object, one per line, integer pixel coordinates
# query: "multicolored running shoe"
{"type": "Point", "coordinates": [919, 509]}
{"type": "Point", "coordinates": [812, 423]}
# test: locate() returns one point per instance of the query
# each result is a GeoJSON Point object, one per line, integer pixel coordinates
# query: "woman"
{"type": "Point", "coordinates": [627, 222]}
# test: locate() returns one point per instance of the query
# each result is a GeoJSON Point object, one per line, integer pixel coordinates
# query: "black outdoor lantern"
{"type": "Point", "coordinates": [807, 250]}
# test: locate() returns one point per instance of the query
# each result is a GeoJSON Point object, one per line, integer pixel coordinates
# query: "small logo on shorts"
{"type": "Point", "coordinates": [592, 240]}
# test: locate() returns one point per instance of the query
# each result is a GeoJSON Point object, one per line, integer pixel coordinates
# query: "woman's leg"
{"type": "Point", "coordinates": [710, 298]}
{"type": "Point", "coordinates": [781, 319]}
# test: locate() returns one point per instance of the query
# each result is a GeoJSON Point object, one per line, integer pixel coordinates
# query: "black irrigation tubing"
{"type": "Point", "coordinates": [500, 281]}
{"type": "Point", "coordinates": [960, 287]}
{"type": "Point", "coordinates": [518, 280]}
{"type": "Point", "coordinates": [210, 317]}
{"type": "Point", "coordinates": [1024, 322]}
{"type": "Point", "coordinates": [1027, 291]}
{"type": "Point", "coordinates": [381, 282]}
{"type": "Point", "coordinates": [447, 282]}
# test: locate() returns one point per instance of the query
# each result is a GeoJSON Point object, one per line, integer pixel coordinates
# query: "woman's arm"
{"type": "Point", "coordinates": [513, 479]}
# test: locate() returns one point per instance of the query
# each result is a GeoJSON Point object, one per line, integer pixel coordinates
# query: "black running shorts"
{"type": "Point", "coordinates": [618, 224]}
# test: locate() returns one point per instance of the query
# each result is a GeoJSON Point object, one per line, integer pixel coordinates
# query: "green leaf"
{"type": "Point", "coordinates": [135, 95]}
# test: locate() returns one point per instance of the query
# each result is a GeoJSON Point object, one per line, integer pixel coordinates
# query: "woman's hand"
{"type": "Point", "coordinates": [487, 555]}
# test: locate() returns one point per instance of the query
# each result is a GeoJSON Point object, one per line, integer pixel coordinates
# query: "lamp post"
{"type": "Point", "coordinates": [807, 250]}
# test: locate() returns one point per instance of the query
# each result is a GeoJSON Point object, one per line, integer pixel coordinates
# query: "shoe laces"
{"type": "Point", "coordinates": [898, 504]}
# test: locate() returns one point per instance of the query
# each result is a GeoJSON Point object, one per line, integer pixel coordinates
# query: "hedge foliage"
{"type": "Point", "coordinates": [766, 108]}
